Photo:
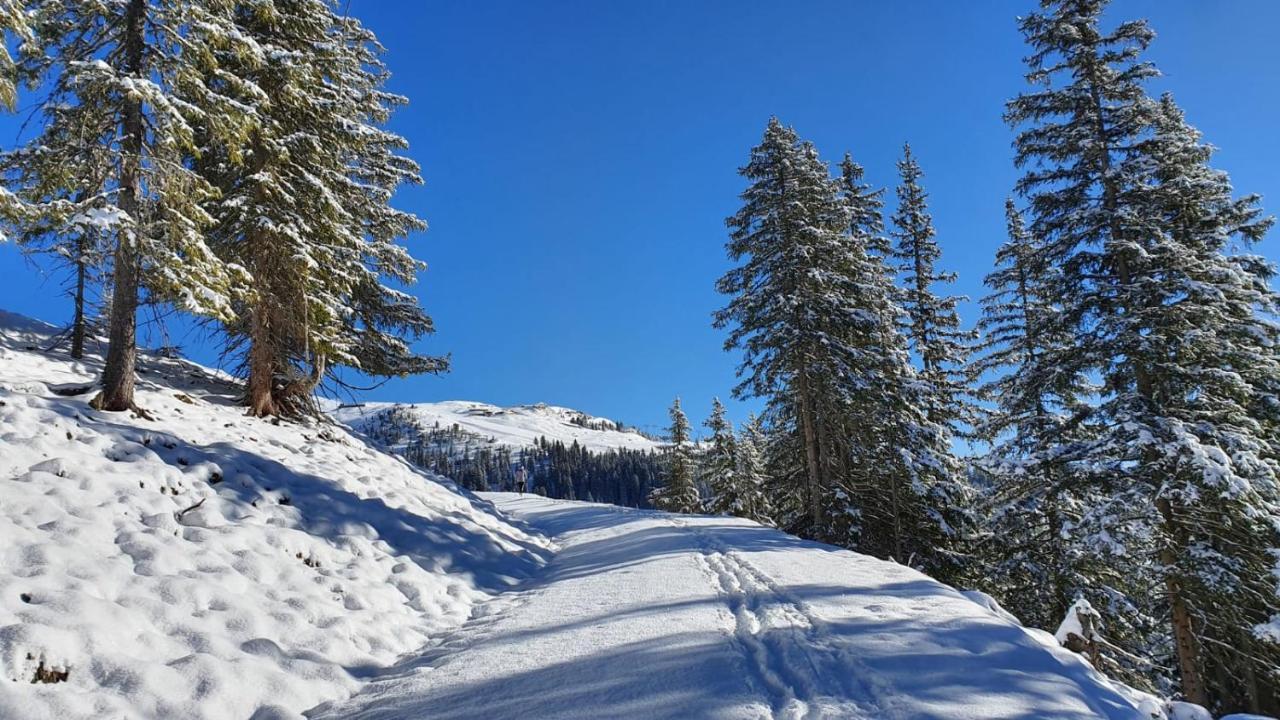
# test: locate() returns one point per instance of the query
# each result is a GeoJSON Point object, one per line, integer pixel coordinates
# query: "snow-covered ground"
{"type": "Point", "coordinates": [647, 615]}
{"type": "Point", "coordinates": [203, 564]}
{"type": "Point", "coordinates": [516, 427]}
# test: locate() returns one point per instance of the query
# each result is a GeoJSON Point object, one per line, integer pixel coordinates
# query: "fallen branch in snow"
{"type": "Point", "coordinates": [178, 515]}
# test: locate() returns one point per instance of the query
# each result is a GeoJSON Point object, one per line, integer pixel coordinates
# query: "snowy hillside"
{"type": "Point", "coordinates": [513, 427]}
{"type": "Point", "coordinates": [202, 564]}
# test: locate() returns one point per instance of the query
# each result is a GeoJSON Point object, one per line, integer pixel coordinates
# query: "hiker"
{"type": "Point", "coordinates": [521, 475]}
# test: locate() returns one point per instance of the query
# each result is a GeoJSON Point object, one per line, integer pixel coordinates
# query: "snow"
{"type": "Point", "coordinates": [516, 427]}
{"type": "Point", "coordinates": [209, 565]}
{"type": "Point", "coordinates": [644, 614]}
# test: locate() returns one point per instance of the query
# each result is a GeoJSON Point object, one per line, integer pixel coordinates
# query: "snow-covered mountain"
{"type": "Point", "coordinates": [513, 427]}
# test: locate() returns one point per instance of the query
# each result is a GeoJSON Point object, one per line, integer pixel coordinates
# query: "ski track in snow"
{"type": "Point", "coordinates": [641, 614]}
{"type": "Point", "coordinates": [784, 644]}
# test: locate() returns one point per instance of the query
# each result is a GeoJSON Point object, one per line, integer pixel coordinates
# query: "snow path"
{"type": "Point", "coordinates": [647, 615]}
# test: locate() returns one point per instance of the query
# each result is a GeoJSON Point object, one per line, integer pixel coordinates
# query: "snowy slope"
{"type": "Point", "coordinates": [647, 615]}
{"type": "Point", "coordinates": [308, 562]}
{"type": "Point", "coordinates": [515, 427]}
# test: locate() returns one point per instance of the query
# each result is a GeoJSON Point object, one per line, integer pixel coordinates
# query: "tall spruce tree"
{"type": "Point", "coordinates": [1137, 224]}
{"type": "Point", "coordinates": [933, 325]}
{"type": "Point", "coordinates": [305, 206]}
{"type": "Point", "coordinates": [1036, 563]}
{"type": "Point", "coordinates": [678, 492]}
{"type": "Point", "coordinates": [792, 306]}
{"type": "Point", "coordinates": [128, 86]}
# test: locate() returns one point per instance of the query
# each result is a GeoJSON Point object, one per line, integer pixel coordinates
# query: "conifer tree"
{"type": "Point", "coordinates": [678, 493]}
{"type": "Point", "coordinates": [1137, 223]}
{"type": "Point", "coordinates": [751, 471]}
{"type": "Point", "coordinates": [719, 467]}
{"type": "Point", "coordinates": [128, 85]}
{"type": "Point", "coordinates": [794, 282]}
{"type": "Point", "coordinates": [933, 325]}
{"type": "Point", "coordinates": [305, 207]}
{"type": "Point", "coordinates": [1034, 566]}
{"type": "Point", "coordinates": [901, 493]}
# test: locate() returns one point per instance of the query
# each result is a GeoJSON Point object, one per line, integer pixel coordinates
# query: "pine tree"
{"type": "Point", "coordinates": [718, 468]}
{"type": "Point", "coordinates": [678, 492]}
{"type": "Point", "coordinates": [751, 471]}
{"type": "Point", "coordinates": [901, 493]}
{"type": "Point", "coordinates": [793, 284]}
{"type": "Point", "coordinates": [933, 325]}
{"type": "Point", "coordinates": [1034, 566]}
{"type": "Point", "coordinates": [128, 84]}
{"type": "Point", "coordinates": [1137, 225]}
{"type": "Point", "coordinates": [305, 207]}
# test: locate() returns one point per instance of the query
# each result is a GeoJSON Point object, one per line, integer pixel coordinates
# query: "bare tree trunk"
{"type": "Point", "coordinates": [262, 363]}
{"type": "Point", "coordinates": [1185, 640]}
{"type": "Point", "coordinates": [78, 321]}
{"type": "Point", "coordinates": [122, 351]}
{"type": "Point", "coordinates": [810, 451]}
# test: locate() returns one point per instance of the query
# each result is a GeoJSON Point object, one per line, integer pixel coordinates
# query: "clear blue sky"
{"type": "Point", "coordinates": [580, 159]}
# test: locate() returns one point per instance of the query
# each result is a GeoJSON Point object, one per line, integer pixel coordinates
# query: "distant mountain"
{"type": "Point", "coordinates": [490, 425]}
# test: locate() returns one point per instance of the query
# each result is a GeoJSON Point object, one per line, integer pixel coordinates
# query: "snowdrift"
{"type": "Point", "coordinates": [203, 564]}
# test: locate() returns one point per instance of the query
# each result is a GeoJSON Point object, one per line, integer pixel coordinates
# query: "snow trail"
{"type": "Point", "coordinates": [641, 614]}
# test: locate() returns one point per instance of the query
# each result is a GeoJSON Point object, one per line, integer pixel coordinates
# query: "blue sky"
{"type": "Point", "coordinates": [580, 160]}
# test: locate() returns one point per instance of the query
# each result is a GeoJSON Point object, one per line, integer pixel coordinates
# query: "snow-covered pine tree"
{"type": "Point", "coordinates": [305, 206]}
{"type": "Point", "coordinates": [941, 346]}
{"type": "Point", "coordinates": [1032, 496]}
{"type": "Point", "coordinates": [128, 82]}
{"type": "Point", "coordinates": [718, 467]}
{"type": "Point", "coordinates": [751, 470]}
{"type": "Point", "coordinates": [791, 304]}
{"type": "Point", "coordinates": [678, 493]}
{"type": "Point", "coordinates": [1195, 400]}
{"type": "Point", "coordinates": [900, 493]}
{"type": "Point", "coordinates": [1137, 224]}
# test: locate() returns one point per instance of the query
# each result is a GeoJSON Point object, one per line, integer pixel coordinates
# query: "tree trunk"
{"type": "Point", "coordinates": [122, 351]}
{"type": "Point", "coordinates": [1185, 641]}
{"type": "Point", "coordinates": [78, 320]}
{"type": "Point", "coordinates": [262, 363]}
{"type": "Point", "coordinates": [810, 452]}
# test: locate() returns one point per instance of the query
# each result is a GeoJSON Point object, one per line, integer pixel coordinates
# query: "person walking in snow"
{"type": "Point", "coordinates": [521, 476]}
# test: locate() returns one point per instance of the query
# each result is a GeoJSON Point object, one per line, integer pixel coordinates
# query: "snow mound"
{"type": "Point", "coordinates": [203, 564]}
{"type": "Point", "coordinates": [517, 427]}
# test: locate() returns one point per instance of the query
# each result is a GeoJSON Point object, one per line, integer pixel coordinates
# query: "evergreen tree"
{"type": "Point", "coordinates": [678, 492]}
{"type": "Point", "coordinates": [305, 207]}
{"type": "Point", "coordinates": [933, 325]}
{"type": "Point", "coordinates": [13, 21]}
{"type": "Point", "coordinates": [1034, 564]}
{"type": "Point", "coordinates": [128, 85]}
{"type": "Point", "coordinates": [718, 468]}
{"type": "Point", "coordinates": [1172, 324]}
{"type": "Point", "coordinates": [793, 285]}
{"type": "Point", "coordinates": [751, 471]}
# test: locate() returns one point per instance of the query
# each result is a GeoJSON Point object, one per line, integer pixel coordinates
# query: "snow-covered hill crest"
{"type": "Point", "coordinates": [513, 427]}
{"type": "Point", "coordinates": [203, 564]}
